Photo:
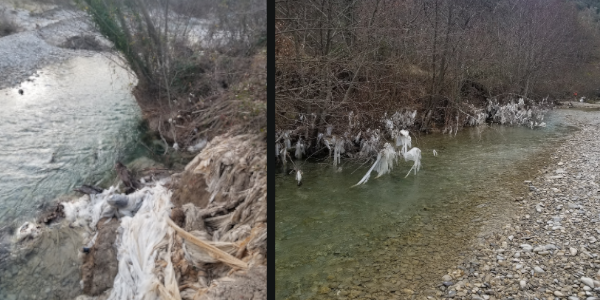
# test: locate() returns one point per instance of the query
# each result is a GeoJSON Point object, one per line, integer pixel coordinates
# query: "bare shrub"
{"type": "Point", "coordinates": [445, 59]}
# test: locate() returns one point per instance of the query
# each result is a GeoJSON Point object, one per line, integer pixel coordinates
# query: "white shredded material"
{"type": "Point", "coordinates": [383, 165]}
{"type": "Point", "coordinates": [27, 230]}
{"type": "Point", "coordinates": [403, 140]}
{"type": "Point", "coordinates": [198, 146]}
{"type": "Point", "coordinates": [89, 209]}
{"type": "Point", "coordinates": [413, 154]}
{"type": "Point", "coordinates": [300, 148]}
{"type": "Point", "coordinates": [338, 150]}
{"type": "Point", "coordinates": [299, 177]}
{"type": "Point", "coordinates": [141, 240]}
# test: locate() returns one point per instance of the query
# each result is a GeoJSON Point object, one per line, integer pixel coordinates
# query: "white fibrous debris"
{"type": "Point", "coordinates": [515, 113]}
{"type": "Point", "coordinates": [383, 165]}
{"type": "Point", "coordinates": [478, 118]}
{"type": "Point", "coordinates": [27, 230]}
{"type": "Point", "coordinates": [141, 240]}
{"type": "Point", "coordinates": [338, 150]}
{"type": "Point", "coordinates": [319, 137]}
{"type": "Point", "coordinates": [329, 129]}
{"type": "Point", "coordinates": [89, 209]}
{"type": "Point", "coordinates": [286, 140]}
{"type": "Point", "coordinates": [388, 158]}
{"type": "Point", "coordinates": [413, 154]}
{"type": "Point", "coordinates": [389, 125]}
{"type": "Point", "coordinates": [277, 149]}
{"type": "Point", "coordinates": [403, 120]}
{"type": "Point", "coordinates": [175, 146]}
{"type": "Point", "coordinates": [299, 177]}
{"type": "Point", "coordinates": [350, 116]}
{"type": "Point", "coordinates": [300, 147]}
{"type": "Point", "coordinates": [403, 140]}
{"type": "Point", "coordinates": [198, 146]}
{"type": "Point", "coordinates": [434, 152]}
{"type": "Point", "coordinates": [369, 146]}
{"type": "Point", "coordinates": [283, 154]}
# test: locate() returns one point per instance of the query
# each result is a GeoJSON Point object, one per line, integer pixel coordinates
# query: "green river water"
{"type": "Point", "coordinates": [395, 234]}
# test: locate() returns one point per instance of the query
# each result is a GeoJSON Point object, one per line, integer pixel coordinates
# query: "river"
{"type": "Point", "coordinates": [398, 235]}
{"type": "Point", "coordinates": [74, 120]}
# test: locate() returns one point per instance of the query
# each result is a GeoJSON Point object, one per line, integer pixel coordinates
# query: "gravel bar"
{"type": "Point", "coordinates": [550, 249]}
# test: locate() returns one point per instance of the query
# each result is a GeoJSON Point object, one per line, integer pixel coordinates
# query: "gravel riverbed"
{"type": "Point", "coordinates": [551, 248]}
{"type": "Point", "coordinates": [38, 39]}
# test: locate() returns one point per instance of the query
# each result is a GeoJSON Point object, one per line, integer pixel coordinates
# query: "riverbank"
{"type": "Point", "coordinates": [577, 104]}
{"type": "Point", "coordinates": [216, 241]}
{"type": "Point", "coordinates": [549, 248]}
{"type": "Point", "coordinates": [41, 36]}
{"type": "Point", "coordinates": [51, 257]}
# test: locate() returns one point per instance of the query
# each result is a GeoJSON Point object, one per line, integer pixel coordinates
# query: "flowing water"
{"type": "Point", "coordinates": [396, 236]}
{"type": "Point", "coordinates": [73, 121]}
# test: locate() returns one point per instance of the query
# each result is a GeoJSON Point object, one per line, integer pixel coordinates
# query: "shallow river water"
{"type": "Point", "coordinates": [394, 237]}
{"type": "Point", "coordinates": [73, 121]}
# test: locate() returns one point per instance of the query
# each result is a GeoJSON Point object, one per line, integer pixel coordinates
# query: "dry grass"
{"type": "Point", "coordinates": [238, 106]}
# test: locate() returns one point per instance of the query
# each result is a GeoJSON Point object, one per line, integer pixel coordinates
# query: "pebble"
{"type": "Point", "coordinates": [526, 247]}
{"type": "Point", "coordinates": [587, 281]}
{"type": "Point", "coordinates": [573, 251]}
{"type": "Point", "coordinates": [550, 247]}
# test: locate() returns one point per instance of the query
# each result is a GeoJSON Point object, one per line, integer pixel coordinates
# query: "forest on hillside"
{"type": "Point", "coordinates": [345, 67]}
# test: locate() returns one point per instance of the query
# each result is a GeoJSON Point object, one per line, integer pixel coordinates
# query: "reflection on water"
{"type": "Point", "coordinates": [73, 121]}
{"type": "Point", "coordinates": [394, 236]}
{"type": "Point", "coordinates": [67, 128]}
